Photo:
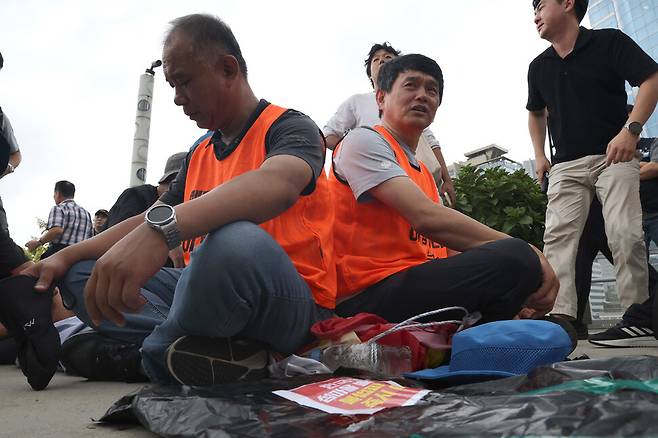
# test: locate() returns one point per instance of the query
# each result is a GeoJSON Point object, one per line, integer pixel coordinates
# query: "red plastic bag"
{"type": "Point", "coordinates": [427, 345]}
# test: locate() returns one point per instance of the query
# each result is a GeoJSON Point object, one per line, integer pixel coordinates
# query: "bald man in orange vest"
{"type": "Point", "coordinates": [251, 207]}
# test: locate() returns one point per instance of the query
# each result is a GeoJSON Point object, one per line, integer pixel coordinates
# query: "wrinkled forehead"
{"type": "Point", "coordinates": [180, 54]}
{"type": "Point", "coordinates": [178, 48]}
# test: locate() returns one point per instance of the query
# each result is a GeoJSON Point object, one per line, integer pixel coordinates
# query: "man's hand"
{"type": "Point", "coordinates": [448, 189]}
{"type": "Point", "coordinates": [541, 302]}
{"type": "Point", "coordinates": [48, 270]}
{"type": "Point", "coordinates": [621, 148]}
{"type": "Point", "coordinates": [115, 282]}
{"type": "Point", "coordinates": [176, 256]}
{"type": "Point", "coordinates": [32, 244]}
{"type": "Point", "coordinates": [542, 166]}
{"type": "Point", "coordinates": [524, 313]}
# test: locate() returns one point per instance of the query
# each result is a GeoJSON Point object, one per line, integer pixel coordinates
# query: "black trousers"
{"type": "Point", "coordinates": [591, 242]}
{"type": "Point", "coordinates": [494, 279]}
{"type": "Point", "coordinates": [3, 218]}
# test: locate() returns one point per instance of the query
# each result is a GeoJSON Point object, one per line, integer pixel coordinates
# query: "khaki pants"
{"type": "Point", "coordinates": [571, 187]}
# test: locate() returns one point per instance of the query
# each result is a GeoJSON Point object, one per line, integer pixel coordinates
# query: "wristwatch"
{"type": "Point", "coordinates": [162, 217]}
{"type": "Point", "coordinates": [10, 169]}
{"type": "Point", "coordinates": [634, 127]}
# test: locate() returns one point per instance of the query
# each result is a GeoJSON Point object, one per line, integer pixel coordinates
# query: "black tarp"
{"type": "Point", "coordinates": [494, 408]}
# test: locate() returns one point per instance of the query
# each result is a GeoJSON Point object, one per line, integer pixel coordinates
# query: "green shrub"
{"type": "Point", "coordinates": [511, 203]}
{"type": "Point", "coordinates": [35, 255]}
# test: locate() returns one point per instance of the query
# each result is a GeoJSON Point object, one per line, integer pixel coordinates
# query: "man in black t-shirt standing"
{"type": "Point", "coordinates": [577, 88]}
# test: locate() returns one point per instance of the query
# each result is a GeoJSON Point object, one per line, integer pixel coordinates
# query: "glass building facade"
{"type": "Point", "coordinates": [637, 19]}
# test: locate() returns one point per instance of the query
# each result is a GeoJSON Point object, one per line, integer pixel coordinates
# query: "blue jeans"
{"type": "Point", "coordinates": [239, 282]}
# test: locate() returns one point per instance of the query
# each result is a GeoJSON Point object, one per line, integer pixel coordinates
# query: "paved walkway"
{"type": "Point", "coordinates": [69, 405]}
{"type": "Point", "coordinates": [65, 409]}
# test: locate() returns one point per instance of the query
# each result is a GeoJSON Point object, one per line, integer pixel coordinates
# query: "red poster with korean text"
{"type": "Point", "coordinates": [350, 396]}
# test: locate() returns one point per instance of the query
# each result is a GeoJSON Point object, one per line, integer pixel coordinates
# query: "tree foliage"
{"type": "Point", "coordinates": [35, 255]}
{"type": "Point", "coordinates": [511, 203]}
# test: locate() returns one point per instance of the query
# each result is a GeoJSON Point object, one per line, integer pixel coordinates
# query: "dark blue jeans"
{"type": "Point", "coordinates": [239, 282]}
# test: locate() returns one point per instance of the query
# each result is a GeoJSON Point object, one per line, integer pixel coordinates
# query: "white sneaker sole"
{"type": "Point", "coordinates": [640, 341]}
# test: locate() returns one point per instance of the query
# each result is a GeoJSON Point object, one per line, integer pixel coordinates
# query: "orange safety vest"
{"type": "Point", "coordinates": [304, 231]}
{"type": "Point", "coordinates": [372, 240]}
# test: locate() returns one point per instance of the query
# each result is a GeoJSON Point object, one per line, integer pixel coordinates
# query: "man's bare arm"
{"type": "Point", "coordinates": [439, 223]}
{"type": "Point", "coordinates": [256, 196]}
{"type": "Point", "coordinates": [645, 102]}
{"type": "Point", "coordinates": [55, 266]}
{"type": "Point", "coordinates": [48, 236]}
{"type": "Point", "coordinates": [648, 171]}
{"type": "Point", "coordinates": [447, 186]}
{"type": "Point", "coordinates": [622, 147]}
{"type": "Point", "coordinates": [537, 122]}
{"type": "Point", "coordinates": [331, 141]}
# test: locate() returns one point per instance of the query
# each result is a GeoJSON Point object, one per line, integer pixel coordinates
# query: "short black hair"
{"type": "Point", "coordinates": [580, 7]}
{"type": "Point", "coordinates": [392, 69]}
{"type": "Point", "coordinates": [208, 33]}
{"type": "Point", "coordinates": [65, 188]}
{"type": "Point", "coordinates": [374, 49]}
{"type": "Point", "coordinates": [101, 212]}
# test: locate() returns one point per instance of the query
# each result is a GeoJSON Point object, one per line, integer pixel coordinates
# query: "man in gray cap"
{"type": "Point", "coordinates": [135, 200]}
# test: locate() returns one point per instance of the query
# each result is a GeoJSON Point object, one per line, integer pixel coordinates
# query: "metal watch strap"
{"type": "Point", "coordinates": [171, 234]}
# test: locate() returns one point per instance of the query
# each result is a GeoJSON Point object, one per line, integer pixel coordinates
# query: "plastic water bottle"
{"type": "Point", "coordinates": [378, 359]}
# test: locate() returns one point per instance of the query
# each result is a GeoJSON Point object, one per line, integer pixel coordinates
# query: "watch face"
{"type": "Point", "coordinates": [635, 128]}
{"type": "Point", "coordinates": [160, 214]}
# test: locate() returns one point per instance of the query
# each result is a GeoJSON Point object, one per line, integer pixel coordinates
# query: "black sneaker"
{"type": "Point", "coordinates": [623, 335]}
{"type": "Point", "coordinates": [97, 357]}
{"type": "Point", "coordinates": [202, 361]}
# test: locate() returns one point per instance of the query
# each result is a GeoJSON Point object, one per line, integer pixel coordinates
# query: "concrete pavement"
{"type": "Point", "coordinates": [65, 409]}
{"type": "Point", "coordinates": [69, 404]}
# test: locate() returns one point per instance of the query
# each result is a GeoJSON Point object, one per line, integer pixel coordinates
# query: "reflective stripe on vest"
{"type": "Point", "coordinates": [304, 231]}
{"type": "Point", "coordinates": [372, 240]}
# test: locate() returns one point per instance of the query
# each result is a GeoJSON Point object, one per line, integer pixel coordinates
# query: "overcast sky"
{"type": "Point", "coordinates": [69, 85]}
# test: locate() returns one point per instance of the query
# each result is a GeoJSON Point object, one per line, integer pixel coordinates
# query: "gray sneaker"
{"type": "Point", "coordinates": [202, 361]}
